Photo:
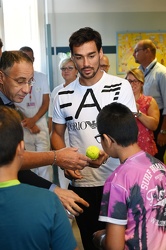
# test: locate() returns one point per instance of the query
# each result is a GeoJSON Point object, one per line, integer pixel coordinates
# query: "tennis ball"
{"type": "Point", "coordinates": [92, 152]}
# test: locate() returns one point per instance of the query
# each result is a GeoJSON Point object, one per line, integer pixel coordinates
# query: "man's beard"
{"type": "Point", "coordinates": [90, 76]}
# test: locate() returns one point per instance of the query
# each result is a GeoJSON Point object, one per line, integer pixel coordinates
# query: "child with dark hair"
{"type": "Point", "coordinates": [134, 196]}
{"type": "Point", "coordinates": [30, 217]}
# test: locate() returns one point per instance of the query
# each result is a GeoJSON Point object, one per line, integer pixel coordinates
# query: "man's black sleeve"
{"type": "Point", "coordinates": [29, 177]}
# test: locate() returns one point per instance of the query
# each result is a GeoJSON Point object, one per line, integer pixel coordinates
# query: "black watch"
{"type": "Point", "coordinates": [138, 114]}
{"type": "Point", "coordinates": [163, 131]}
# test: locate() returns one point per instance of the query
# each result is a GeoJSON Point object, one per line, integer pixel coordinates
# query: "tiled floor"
{"type": "Point", "coordinates": [77, 235]}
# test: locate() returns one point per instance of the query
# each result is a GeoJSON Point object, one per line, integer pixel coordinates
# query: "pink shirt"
{"type": "Point", "coordinates": [135, 196]}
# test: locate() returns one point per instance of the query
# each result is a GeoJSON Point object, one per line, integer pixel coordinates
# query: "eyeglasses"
{"type": "Point", "coordinates": [21, 81]}
{"type": "Point", "coordinates": [137, 50]}
{"type": "Point", "coordinates": [70, 68]}
{"type": "Point", "coordinates": [132, 81]}
{"type": "Point", "coordinates": [100, 137]}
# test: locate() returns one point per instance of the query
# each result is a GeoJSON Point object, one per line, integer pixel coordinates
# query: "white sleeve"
{"type": "Point", "coordinates": [126, 96]}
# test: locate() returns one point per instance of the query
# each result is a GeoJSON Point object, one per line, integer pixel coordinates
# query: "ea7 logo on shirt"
{"type": "Point", "coordinates": [86, 103]}
{"type": "Point", "coordinates": [83, 104]}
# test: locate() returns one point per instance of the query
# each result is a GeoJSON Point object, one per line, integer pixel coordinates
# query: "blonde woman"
{"type": "Point", "coordinates": [147, 115]}
{"type": "Point", "coordinates": [69, 74]}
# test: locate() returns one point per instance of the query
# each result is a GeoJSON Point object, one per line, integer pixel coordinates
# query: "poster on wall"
{"type": "Point", "coordinates": [125, 48]}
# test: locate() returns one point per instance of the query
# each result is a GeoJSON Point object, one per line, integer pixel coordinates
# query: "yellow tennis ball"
{"type": "Point", "coordinates": [92, 152]}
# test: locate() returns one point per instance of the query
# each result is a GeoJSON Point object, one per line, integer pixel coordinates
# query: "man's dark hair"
{"type": "Point", "coordinates": [26, 49]}
{"type": "Point", "coordinates": [85, 35]}
{"type": "Point", "coordinates": [8, 59]}
{"type": "Point", "coordinates": [11, 134]}
{"type": "Point", "coordinates": [117, 121]}
{"type": "Point", "coordinates": [1, 43]}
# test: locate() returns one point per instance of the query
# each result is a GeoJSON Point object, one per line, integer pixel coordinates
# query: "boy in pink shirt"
{"type": "Point", "coordinates": [134, 196]}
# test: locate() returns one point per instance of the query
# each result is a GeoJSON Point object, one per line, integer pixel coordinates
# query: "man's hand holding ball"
{"type": "Point", "coordinates": [92, 152]}
{"type": "Point", "coordinates": [97, 156]}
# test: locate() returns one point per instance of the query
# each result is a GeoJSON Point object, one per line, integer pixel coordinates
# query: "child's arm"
{"type": "Point", "coordinates": [115, 237]}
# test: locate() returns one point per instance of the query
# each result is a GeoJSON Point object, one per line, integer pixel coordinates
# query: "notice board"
{"type": "Point", "coordinates": [125, 48]}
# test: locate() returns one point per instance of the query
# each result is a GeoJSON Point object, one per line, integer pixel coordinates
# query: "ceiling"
{"type": "Point", "coordinates": [76, 6]}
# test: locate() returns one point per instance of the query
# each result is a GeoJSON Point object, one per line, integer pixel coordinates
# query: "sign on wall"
{"type": "Point", "coordinates": [125, 48]}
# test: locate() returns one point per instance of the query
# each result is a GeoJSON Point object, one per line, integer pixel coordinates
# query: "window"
{"type": "Point", "coordinates": [21, 28]}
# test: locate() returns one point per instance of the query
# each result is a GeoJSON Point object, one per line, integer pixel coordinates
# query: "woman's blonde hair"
{"type": "Point", "coordinates": [137, 73]}
{"type": "Point", "coordinates": [65, 61]}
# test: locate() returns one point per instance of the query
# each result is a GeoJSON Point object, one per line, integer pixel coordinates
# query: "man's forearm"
{"type": "Point", "coordinates": [43, 109]}
{"type": "Point", "coordinates": [40, 113]}
{"type": "Point", "coordinates": [37, 159]}
{"type": "Point", "coordinates": [67, 158]}
{"type": "Point", "coordinates": [57, 142]}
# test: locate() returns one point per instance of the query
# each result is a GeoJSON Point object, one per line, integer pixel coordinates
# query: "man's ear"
{"type": "Point", "coordinates": [1, 77]}
{"type": "Point", "coordinates": [147, 51]}
{"type": "Point", "coordinates": [101, 53]}
{"type": "Point", "coordinates": [22, 145]}
{"type": "Point", "coordinates": [72, 57]}
{"type": "Point", "coordinates": [20, 149]}
{"type": "Point", "coordinates": [107, 140]}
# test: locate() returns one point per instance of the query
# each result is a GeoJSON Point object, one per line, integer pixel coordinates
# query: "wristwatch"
{"type": "Point", "coordinates": [163, 131]}
{"type": "Point", "coordinates": [137, 114]}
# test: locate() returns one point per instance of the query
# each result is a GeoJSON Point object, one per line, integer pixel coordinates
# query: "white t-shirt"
{"type": "Point", "coordinates": [52, 96]}
{"type": "Point", "coordinates": [77, 106]}
{"type": "Point", "coordinates": [33, 101]}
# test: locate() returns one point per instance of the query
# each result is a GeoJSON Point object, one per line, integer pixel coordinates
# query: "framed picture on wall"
{"type": "Point", "coordinates": [125, 48]}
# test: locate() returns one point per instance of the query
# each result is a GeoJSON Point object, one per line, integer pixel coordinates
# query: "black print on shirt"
{"type": "Point", "coordinates": [83, 105]}
{"type": "Point", "coordinates": [115, 88]}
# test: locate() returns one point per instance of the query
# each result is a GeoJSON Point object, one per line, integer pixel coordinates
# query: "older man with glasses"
{"type": "Point", "coordinates": [16, 78]}
{"type": "Point", "coordinates": [34, 108]}
{"type": "Point", "coordinates": [155, 86]}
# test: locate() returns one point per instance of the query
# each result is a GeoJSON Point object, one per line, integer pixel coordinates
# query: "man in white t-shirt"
{"type": "Point", "coordinates": [76, 107]}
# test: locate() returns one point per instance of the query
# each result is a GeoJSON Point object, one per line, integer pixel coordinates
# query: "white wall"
{"type": "Point", "coordinates": [100, 6]}
{"type": "Point", "coordinates": [21, 27]}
